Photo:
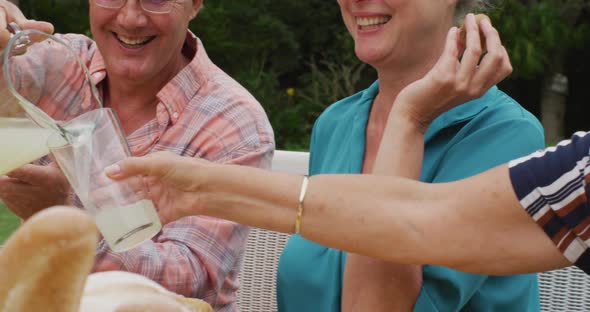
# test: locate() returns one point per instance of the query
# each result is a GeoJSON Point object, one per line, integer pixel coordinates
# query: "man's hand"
{"type": "Point", "coordinates": [11, 13]}
{"type": "Point", "coordinates": [32, 188]}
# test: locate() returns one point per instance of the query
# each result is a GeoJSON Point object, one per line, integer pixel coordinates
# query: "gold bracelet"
{"type": "Point", "coordinates": [300, 204]}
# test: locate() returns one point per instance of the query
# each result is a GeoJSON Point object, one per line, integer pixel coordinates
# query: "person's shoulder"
{"type": "Point", "coordinates": [220, 96]}
{"type": "Point", "coordinates": [501, 109]}
{"type": "Point", "coordinates": [500, 106]}
{"type": "Point", "coordinates": [223, 94]}
{"type": "Point", "coordinates": [216, 83]}
{"type": "Point", "coordinates": [503, 118]}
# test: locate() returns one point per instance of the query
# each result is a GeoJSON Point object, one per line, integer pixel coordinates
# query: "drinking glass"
{"type": "Point", "coordinates": [123, 213]}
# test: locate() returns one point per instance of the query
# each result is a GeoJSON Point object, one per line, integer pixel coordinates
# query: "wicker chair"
{"type": "Point", "coordinates": [561, 290]}
{"type": "Point", "coordinates": [565, 290]}
{"type": "Point", "coordinates": [258, 276]}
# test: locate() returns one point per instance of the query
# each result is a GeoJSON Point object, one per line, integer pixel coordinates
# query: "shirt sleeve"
{"type": "Point", "coordinates": [552, 186]}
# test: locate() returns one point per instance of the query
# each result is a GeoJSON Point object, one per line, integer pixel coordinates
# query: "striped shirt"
{"type": "Point", "coordinates": [202, 112]}
{"type": "Point", "coordinates": [552, 186]}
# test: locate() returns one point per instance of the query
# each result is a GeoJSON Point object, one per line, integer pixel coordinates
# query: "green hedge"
{"type": "Point", "coordinates": [296, 57]}
{"type": "Point", "coordinates": [8, 223]}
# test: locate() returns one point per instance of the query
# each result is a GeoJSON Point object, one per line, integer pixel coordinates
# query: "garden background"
{"type": "Point", "coordinates": [297, 58]}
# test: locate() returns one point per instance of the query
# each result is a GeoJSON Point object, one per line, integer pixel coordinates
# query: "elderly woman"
{"type": "Point", "coordinates": [416, 57]}
{"type": "Point", "coordinates": [168, 95]}
{"type": "Point", "coordinates": [402, 40]}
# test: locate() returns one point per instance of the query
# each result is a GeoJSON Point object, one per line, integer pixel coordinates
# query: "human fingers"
{"type": "Point", "coordinates": [21, 198]}
{"type": "Point", "coordinates": [45, 27]}
{"type": "Point", "coordinates": [114, 194]}
{"type": "Point", "coordinates": [5, 185]}
{"type": "Point", "coordinates": [446, 66]}
{"type": "Point", "coordinates": [158, 165]}
{"type": "Point", "coordinates": [8, 13]}
{"type": "Point", "coordinates": [495, 65]}
{"type": "Point", "coordinates": [168, 213]}
{"type": "Point", "coordinates": [4, 33]}
{"type": "Point", "coordinates": [11, 14]}
{"type": "Point", "coordinates": [463, 31]}
{"type": "Point", "coordinates": [35, 175]}
{"type": "Point", "coordinates": [471, 55]}
{"type": "Point", "coordinates": [151, 184]}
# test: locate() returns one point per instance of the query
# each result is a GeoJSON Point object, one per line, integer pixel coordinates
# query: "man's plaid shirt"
{"type": "Point", "coordinates": [202, 112]}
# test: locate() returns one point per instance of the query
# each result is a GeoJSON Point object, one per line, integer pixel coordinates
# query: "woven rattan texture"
{"type": "Point", "coordinates": [257, 291]}
{"type": "Point", "coordinates": [565, 290]}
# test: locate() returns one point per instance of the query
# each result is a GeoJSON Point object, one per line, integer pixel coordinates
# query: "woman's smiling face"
{"type": "Point", "coordinates": [386, 30]}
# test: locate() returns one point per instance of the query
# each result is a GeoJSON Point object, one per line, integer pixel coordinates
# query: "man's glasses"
{"type": "Point", "coordinates": [151, 6]}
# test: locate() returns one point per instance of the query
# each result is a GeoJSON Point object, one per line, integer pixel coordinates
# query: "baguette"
{"type": "Point", "coordinates": [118, 291]}
{"type": "Point", "coordinates": [44, 264]}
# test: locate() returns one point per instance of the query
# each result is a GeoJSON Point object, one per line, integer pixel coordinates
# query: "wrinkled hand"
{"type": "Point", "coordinates": [172, 182]}
{"type": "Point", "coordinates": [32, 188]}
{"type": "Point", "coordinates": [456, 79]}
{"type": "Point", "coordinates": [11, 13]}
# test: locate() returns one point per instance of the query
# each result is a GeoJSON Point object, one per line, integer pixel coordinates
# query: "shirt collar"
{"type": "Point", "coordinates": [460, 114]}
{"type": "Point", "coordinates": [178, 92]}
{"type": "Point", "coordinates": [452, 117]}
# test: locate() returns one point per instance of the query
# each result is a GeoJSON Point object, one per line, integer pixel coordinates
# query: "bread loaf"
{"type": "Point", "coordinates": [44, 264]}
{"type": "Point", "coordinates": [119, 291]}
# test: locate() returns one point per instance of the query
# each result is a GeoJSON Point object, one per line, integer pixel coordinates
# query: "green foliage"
{"type": "Point", "coordinates": [8, 223]}
{"type": "Point", "coordinates": [538, 34]}
{"type": "Point", "coordinates": [296, 57]}
{"type": "Point", "coordinates": [68, 16]}
{"type": "Point", "coordinates": [244, 38]}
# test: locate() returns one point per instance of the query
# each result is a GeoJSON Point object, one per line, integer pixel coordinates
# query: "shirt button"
{"type": "Point", "coordinates": [97, 77]}
{"type": "Point", "coordinates": [175, 115]}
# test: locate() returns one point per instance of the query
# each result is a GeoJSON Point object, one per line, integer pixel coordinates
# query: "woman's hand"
{"type": "Point", "coordinates": [172, 182]}
{"type": "Point", "coordinates": [461, 74]}
{"type": "Point", "coordinates": [11, 13]}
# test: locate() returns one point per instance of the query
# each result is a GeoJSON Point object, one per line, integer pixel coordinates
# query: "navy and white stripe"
{"type": "Point", "coordinates": [552, 185]}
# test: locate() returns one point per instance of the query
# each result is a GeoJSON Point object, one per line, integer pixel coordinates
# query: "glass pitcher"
{"type": "Point", "coordinates": [36, 96]}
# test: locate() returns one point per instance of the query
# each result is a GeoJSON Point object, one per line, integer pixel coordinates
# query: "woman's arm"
{"type": "Point", "coordinates": [474, 225]}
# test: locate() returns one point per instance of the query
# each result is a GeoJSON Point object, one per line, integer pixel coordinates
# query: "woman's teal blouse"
{"type": "Point", "coordinates": [464, 141]}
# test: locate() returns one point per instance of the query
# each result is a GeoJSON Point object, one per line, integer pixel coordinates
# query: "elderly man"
{"type": "Point", "coordinates": [168, 95]}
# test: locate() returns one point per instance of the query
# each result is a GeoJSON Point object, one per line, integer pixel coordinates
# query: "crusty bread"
{"type": "Point", "coordinates": [463, 31]}
{"type": "Point", "coordinates": [119, 291]}
{"type": "Point", "coordinates": [44, 264]}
